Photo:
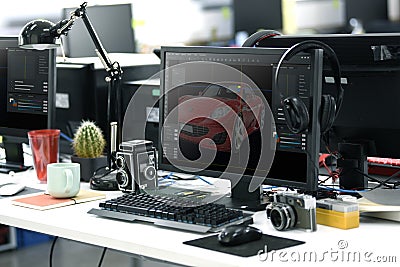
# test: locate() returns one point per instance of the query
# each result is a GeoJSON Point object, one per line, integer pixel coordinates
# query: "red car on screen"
{"type": "Point", "coordinates": [216, 114]}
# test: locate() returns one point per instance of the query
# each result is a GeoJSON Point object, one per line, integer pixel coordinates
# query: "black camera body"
{"type": "Point", "coordinates": [136, 166]}
{"type": "Point", "coordinates": [292, 210]}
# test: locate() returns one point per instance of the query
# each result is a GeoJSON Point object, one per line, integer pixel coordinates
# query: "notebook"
{"type": "Point", "coordinates": [45, 201]}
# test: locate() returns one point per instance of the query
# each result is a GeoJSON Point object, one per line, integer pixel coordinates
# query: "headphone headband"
{"type": "Point", "coordinates": [253, 39]}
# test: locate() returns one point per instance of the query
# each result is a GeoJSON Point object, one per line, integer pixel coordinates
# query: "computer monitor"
{"type": "Point", "coordinates": [366, 10]}
{"type": "Point", "coordinates": [208, 91]}
{"type": "Point", "coordinates": [371, 76]}
{"type": "Point", "coordinates": [254, 15]}
{"type": "Point", "coordinates": [373, 15]}
{"type": "Point", "coordinates": [113, 25]}
{"type": "Point", "coordinates": [27, 96]}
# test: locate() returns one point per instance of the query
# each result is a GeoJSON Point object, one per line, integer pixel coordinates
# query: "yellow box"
{"type": "Point", "coordinates": [342, 220]}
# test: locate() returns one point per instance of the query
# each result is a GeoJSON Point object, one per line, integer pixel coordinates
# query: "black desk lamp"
{"type": "Point", "coordinates": [43, 34]}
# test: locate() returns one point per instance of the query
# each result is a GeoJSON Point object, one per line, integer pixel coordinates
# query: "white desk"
{"type": "Point", "coordinates": [374, 236]}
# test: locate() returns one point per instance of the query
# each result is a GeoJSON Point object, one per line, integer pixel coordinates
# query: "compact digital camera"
{"type": "Point", "coordinates": [292, 210]}
{"type": "Point", "coordinates": [136, 166]}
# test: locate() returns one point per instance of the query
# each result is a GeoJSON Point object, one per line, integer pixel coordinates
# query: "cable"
{"type": "Point", "coordinates": [202, 179]}
{"type": "Point", "coordinates": [322, 163]}
{"type": "Point", "coordinates": [264, 187]}
{"type": "Point", "coordinates": [381, 183]}
{"type": "Point", "coordinates": [166, 181]}
{"type": "Point", "coordinates": [106, 171]}
{"type": "Point", "coordinates": [342, 190]}
{"type": "Point", "coordinates": [326, 179]}
{"type": "Point", "coordinates": [66, 137]}
{"type": "Point", "coordinates": [102, 257]}
{"type": "Point", "coordinates": [390, 178]}
{"type": "Point", "coordinates": [316, 167]}
{"type": "Point", "coordinates": [52, 250]}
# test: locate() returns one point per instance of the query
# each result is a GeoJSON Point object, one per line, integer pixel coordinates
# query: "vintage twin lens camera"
{"type": "Point", "coordinates": [292, 210]}
{"type": "Point", "coordinates": [136, 163]}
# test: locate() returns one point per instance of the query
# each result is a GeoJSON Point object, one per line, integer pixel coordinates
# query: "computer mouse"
{"type": "Point", "coordinates": [236, 235]}
{"type": "Point", "coordinates": [11, 189]}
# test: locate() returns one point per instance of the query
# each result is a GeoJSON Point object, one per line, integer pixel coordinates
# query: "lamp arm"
{"type": "Point", "coordinates": [114, 78]}
{"type": "Point", "coordinates": [63, 27]}
{"type": "Point", "coordinates": [100, 49]}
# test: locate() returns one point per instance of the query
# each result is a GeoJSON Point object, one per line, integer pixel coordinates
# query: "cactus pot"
{"type": "Point", "coordinates": [89, 165]}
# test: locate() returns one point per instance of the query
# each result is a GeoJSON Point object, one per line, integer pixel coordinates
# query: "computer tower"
{"type": "Point", "coordinates": [140, 110]}
{"type": "Point", "coordinates": [76, 98]}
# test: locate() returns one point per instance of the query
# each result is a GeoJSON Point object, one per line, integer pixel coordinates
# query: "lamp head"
{"type": "Point", "coordinates": [38, 34]}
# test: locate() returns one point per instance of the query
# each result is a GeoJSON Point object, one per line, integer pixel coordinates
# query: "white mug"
{"type": "Point", "coordinates": [63, 179]}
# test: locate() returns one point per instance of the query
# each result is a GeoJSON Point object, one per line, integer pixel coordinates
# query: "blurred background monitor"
{"type": "Point", "coordinates": [366, 10]}
{"type": "Point", "coordinates": [373, 17]}
{"type": "Point", "coordinates": [253, 15]}
{"type": "Point", "coordinates": [113, 25]}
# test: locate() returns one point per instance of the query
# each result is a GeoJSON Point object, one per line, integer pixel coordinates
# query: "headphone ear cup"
{"type": "Point", "coordinates": [328, 112]}
{"type": "Point", "coordinates": [296, 114]}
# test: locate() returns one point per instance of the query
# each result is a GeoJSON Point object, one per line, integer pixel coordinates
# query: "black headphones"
{"type": "Point", "coordinates": [294, 109]}
{"type": "Point", "coordinates": [256, 37]}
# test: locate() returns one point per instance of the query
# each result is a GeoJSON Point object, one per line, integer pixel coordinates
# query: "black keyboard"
{"type": "Point", "coordinates": [174, 212]}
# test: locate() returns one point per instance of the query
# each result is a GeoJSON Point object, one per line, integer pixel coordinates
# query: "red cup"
{"type": "Point", "coordinates": [44, 146]}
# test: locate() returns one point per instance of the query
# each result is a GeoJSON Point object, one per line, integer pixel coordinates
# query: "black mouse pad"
{"type": "Point", "coordinates": [245, 250]}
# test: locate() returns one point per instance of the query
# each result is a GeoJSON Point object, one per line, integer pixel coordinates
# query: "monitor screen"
{"type": "Point", "coordinates": [221, 115]}
{"type": "Point", "coordinates": [27, 92]}
{"type": "Point", "coordinates": [113, 25]}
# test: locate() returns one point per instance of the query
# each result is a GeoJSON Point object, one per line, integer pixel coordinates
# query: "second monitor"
{"type": "Point", "coordinates": [113, 24]}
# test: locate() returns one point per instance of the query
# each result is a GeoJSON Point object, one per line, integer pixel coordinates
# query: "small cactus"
{"type": "Point", "coordinates": [88, 141]}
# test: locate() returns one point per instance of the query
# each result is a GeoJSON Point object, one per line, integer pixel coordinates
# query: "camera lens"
{"type": "Point", "coordinates": [120, 162]}
{"type": "Point", "coordinates": [122, 179]}
{"type": "Point", "coordinates": [282, 217]}
{"type": "Point", "coordinates": [150, 172]}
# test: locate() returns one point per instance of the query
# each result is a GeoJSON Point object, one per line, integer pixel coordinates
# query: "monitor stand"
{"type": "Point", "coordinates": [14, 158]}
{"type": "Point", "coordinates": [241, 198]}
